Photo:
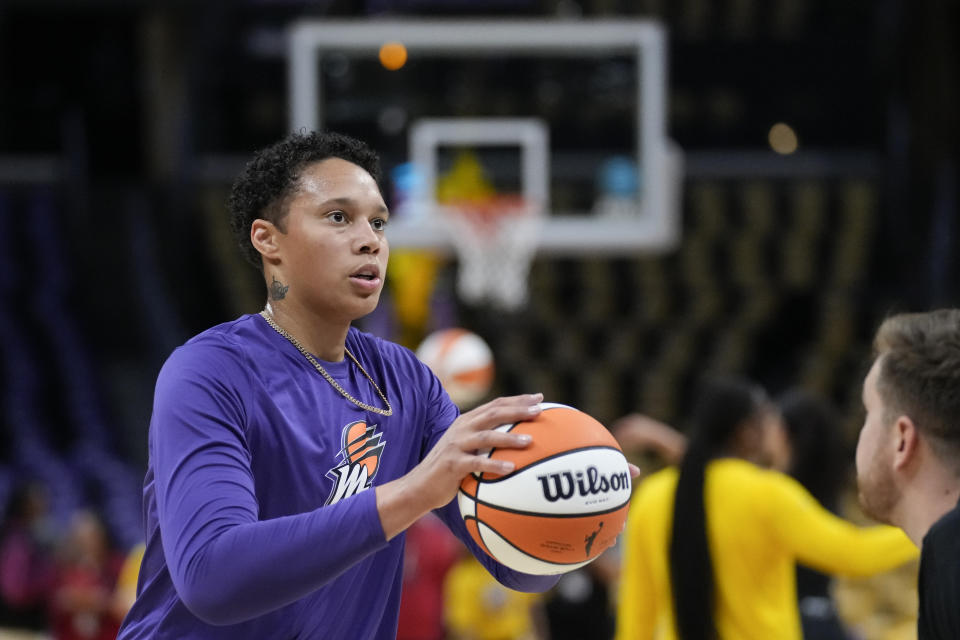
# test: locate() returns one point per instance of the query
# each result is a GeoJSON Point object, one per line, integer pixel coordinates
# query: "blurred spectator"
{"type": "Point", "coordinates": [816, 451]}
{"type": "Point", "coordinates": [82, 607]}
{"type": "Point", "coordinates": [580, 606]}
{"type": "Point", "coordinates": [735, 577]}
{"type": "Point", "coordinates": [638, 434]}
{"type": "Point", "coordinates": [429, 553]}
{"type": "Point", "coordinates": [26, 562]}
{"type": "Point", "coordinates": [477, 607]}
{"type": "Point", "coordinates": [126, 592]}
{"type": "Point", "coordinates": [809, 449]}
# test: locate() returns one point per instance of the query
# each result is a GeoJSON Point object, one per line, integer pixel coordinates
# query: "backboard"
{"type": "Point", "coordinates": [570, 113]}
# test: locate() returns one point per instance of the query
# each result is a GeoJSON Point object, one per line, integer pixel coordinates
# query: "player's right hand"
{"type": "Point", "coordinates": [434, 482]}
{"type": "Point", "coordinates": [456, 453]}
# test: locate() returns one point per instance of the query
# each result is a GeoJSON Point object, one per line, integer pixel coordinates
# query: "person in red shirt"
{"type": "Point", "coordinates": [26, 560]}
{"type": "Point", "coordinates": [82, 606]}
{"type": "Point", "coordinates": [429, 553]}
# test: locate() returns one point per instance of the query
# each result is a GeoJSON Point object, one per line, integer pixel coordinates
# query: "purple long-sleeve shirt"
{"type": "Point", "coordinates": [258, 519]}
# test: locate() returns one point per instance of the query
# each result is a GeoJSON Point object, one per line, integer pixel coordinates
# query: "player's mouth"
{"type": "Point", "coordinates": [367, 277]}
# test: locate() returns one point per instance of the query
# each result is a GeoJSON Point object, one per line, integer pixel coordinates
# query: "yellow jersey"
{"type": "Point", "coordinates": [477, 607]}
{"type": "Point", "coordinates": [760, 523]}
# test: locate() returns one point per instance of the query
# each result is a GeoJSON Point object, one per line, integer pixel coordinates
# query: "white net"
{"type": "Point", "coordinates": [495, 243]}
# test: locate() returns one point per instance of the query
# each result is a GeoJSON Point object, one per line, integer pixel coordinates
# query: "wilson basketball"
{"type": "Point", "coordinates": [564, 503]}
{"type": "Point", "coordinates": [462, 361]}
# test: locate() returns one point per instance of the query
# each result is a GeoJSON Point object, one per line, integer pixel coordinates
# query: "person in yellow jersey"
{"type": "Point", "coordinates": [711, 548]}
{"type": "Point", "coordinates": [479, 608]}
{"type": "Point", "coordinates": [125, 593]}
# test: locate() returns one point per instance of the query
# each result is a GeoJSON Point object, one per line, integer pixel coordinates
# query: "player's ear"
{"type": "Point", "coordinates": [907, 441]}
{"type": "Point", "coordinates": [264, 235]}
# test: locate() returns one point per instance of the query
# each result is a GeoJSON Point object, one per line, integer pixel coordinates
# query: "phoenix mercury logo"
{"type": "Point", "coordinates": [359, 461]}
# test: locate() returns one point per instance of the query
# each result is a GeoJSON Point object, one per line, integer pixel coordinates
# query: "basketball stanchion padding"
{"type": "Point", "coordinates": [564, 503]}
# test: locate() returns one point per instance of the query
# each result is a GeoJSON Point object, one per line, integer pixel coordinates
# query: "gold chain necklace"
{"type": "Point", "coordinates": [266, 315]}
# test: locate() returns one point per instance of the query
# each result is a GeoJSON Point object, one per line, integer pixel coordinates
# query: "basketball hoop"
{"type": "Point", "coordinates": [495, 240]}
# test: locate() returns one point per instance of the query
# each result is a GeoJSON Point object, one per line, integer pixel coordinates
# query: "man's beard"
{"type": "Point", "coordinates": [878, 493]}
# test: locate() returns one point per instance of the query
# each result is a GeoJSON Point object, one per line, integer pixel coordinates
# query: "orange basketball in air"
{"type": "Point", "coordinates": [564, 503]}
{"type": "Point", "coordinates": [463, 363]}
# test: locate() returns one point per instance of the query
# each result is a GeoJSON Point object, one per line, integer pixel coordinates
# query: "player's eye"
{"type": "Point", "coordinates": [337, 216]}
{"type": "Point", "coordinates": [379, 224]}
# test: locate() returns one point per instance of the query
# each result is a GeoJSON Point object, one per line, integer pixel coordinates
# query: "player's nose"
{"type": "Point", "coordinates": [367, 239]}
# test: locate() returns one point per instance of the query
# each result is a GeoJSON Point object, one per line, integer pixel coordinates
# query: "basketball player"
{"type": "Point", "coordinates": [808, 449]}
{"type": "Point", "coordinates": [710, 549]}
{"type": "Point", "coordinates": [908, 455]}
{"type": "Point", "coordinates": [290, 451]}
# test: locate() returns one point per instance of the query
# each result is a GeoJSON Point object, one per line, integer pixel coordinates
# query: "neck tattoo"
{"type": "Point", "coordinates": [278, 290]}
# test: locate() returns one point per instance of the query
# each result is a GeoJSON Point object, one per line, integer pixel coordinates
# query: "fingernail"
{"type": "Point", "coordinates": [506, 466]}
{"type": "Point", "coordinates": [524, 438]}
{"type": "Point", "coordinates": [536, 408]}
{"type": "Point", "coordinates": [537, 396]}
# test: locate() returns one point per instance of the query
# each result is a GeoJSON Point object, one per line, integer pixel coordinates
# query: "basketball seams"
{"type": "Point", "coordinates": [475, 376]}
{"type": "Point", "coordinates": [477, 501]}
{"type": "Point", "coordinates": [559, 565]}
{"type": "Point", "coordinates": [467, 520]}
{"type": "Point", "coordinates": [541, 514]}
{"type": "Point", "coordinates": [545, 406]}
{"type": "Point", "coordinates": [447, 341]}
{"type": "Point", "coordinates": [597, 447]}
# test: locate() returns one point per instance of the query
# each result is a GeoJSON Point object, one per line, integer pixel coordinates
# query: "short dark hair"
{"type": "Point", "coordinates": [920, 375]}
{"type": "Point", "coordinates": [263, 188]}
